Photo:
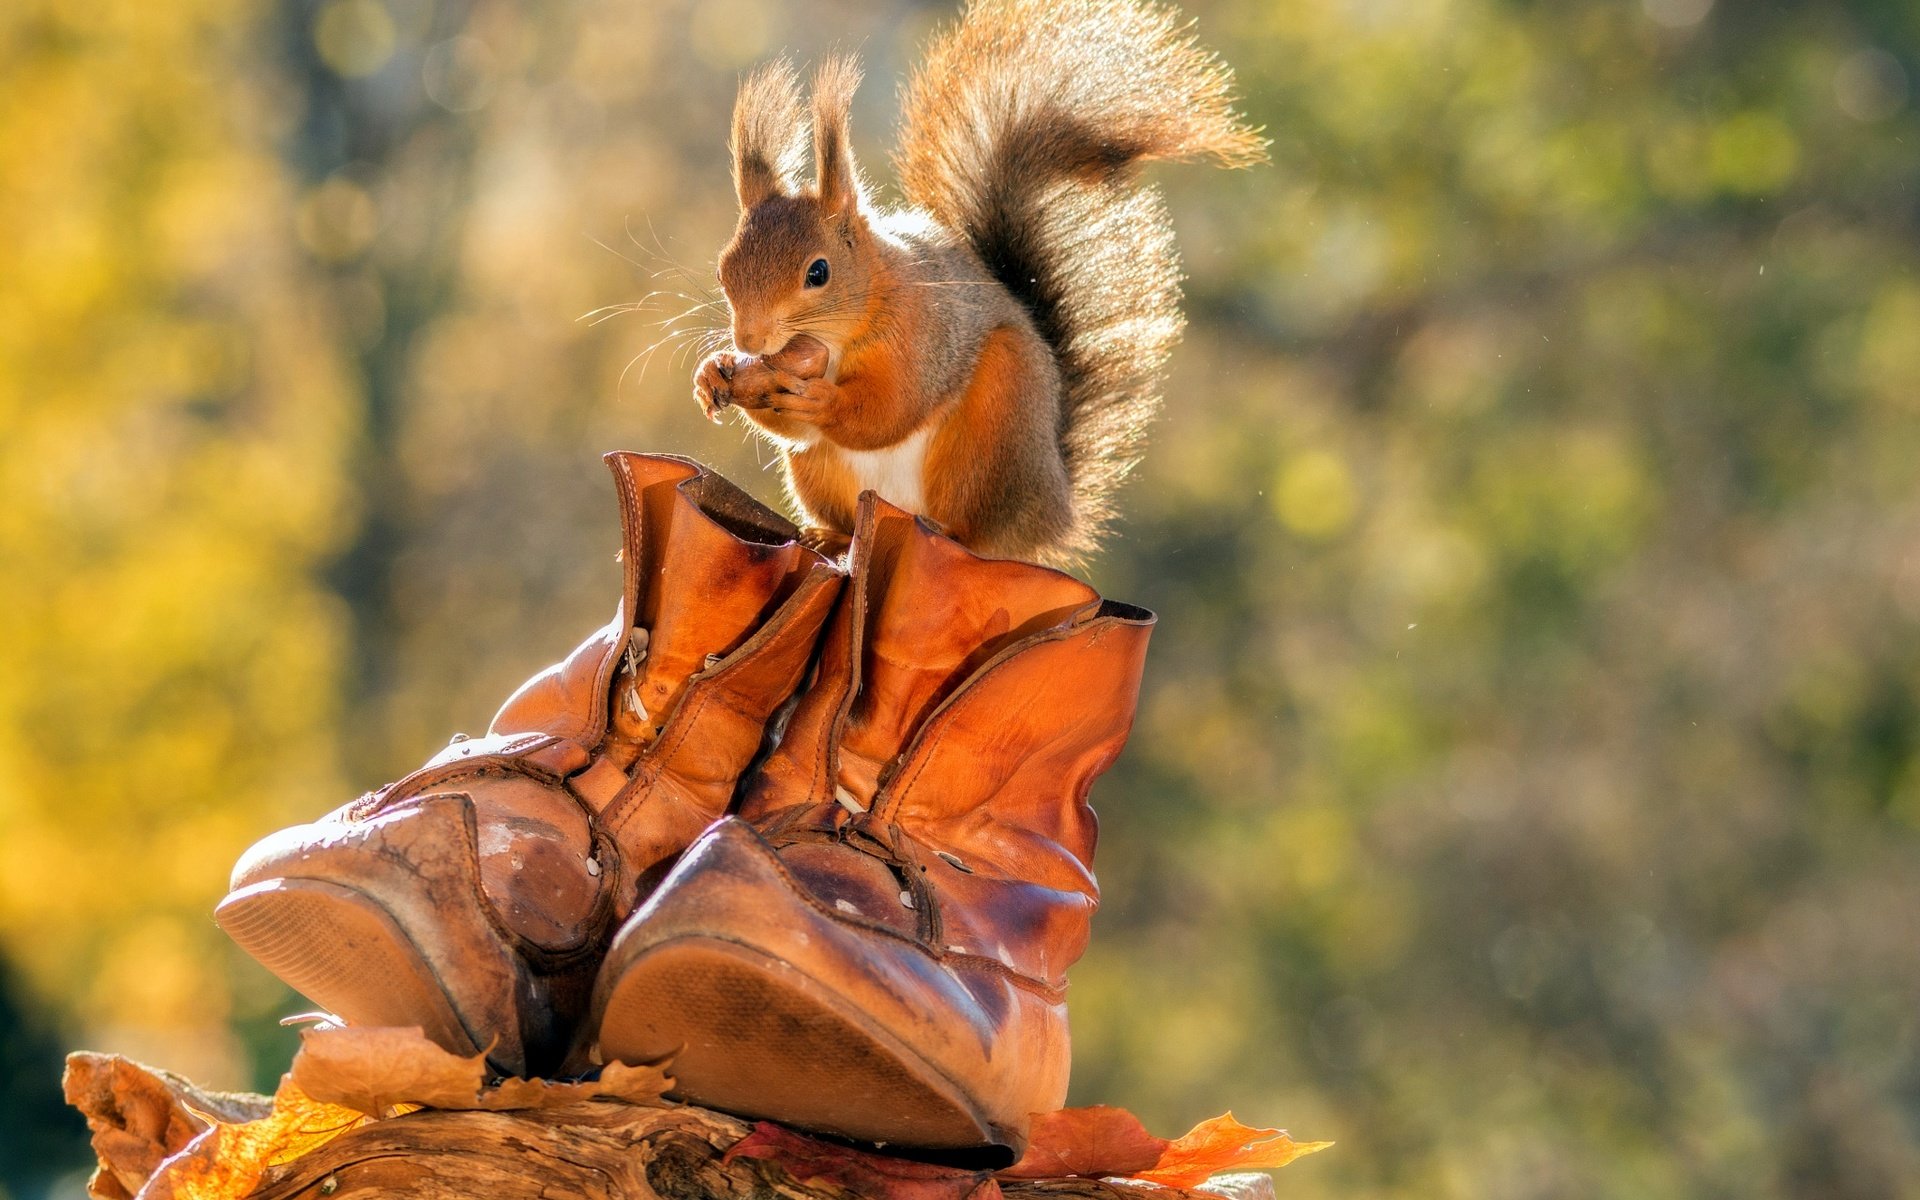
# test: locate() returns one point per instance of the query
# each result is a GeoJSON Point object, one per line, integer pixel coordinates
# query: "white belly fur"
{"type": "Point", "coordinates": [896, 472]}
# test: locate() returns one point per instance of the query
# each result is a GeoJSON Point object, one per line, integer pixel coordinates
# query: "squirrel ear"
{"type": "Point", "coordinates": [769, 143]}
{"type": "Point", "coordinates": [833, 87]}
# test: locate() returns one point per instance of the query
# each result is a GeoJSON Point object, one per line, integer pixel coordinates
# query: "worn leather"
{"type": "Point", "coordinates": [920, 841]}
{"type": "Point", "coordinates": [593, 772]}
{"type": "Point", "coordinates": [966, 705]}
{"type": "Point", "coordinates": [652, 743]}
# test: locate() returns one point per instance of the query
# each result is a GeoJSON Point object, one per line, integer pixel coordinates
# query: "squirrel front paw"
{"type": "Point", "coordinates": [755, 381]}
{"type": "Point", "coordinates": [760, 387]}
{"type": "Point", "coordinates": [713, 383]}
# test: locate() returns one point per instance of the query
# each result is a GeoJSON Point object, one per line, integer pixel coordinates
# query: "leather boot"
{"type": "Point", "coordinates": [474, 897]}
{"type": "Point", "coordinates": [877, 947]}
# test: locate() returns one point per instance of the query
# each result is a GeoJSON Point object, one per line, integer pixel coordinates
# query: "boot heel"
{"type": "Point", "coordinates": [343, 951]}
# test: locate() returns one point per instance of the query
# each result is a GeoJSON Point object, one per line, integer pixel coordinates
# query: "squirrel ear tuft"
{"type": "Point", "coordinates": [769, 143]}
{"type": "Point", "coordinates": [833, 86]}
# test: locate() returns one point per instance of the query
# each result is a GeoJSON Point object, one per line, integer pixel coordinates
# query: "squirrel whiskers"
{"type": "Point", "coordinates": [990, 356]}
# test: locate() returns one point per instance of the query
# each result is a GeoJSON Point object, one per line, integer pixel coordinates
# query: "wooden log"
{"type": "Point", "coordinates": [600, 1149]}
{"type": "Point", "coordinates": [139, 1116]}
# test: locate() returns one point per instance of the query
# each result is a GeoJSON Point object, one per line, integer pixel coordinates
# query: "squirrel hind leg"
{"type": "Point", "coordinates": [994, 473]}
{"type": "Point", "coordinates": [1039, 530]}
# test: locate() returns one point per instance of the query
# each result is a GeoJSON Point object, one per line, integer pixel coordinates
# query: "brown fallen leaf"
{"type": "Point", "coordinates": [1105, 1142]}
{"type": "Point", "coordinates": [1224, 1144]}
{"type": "Point", "coordinates": [643, 1084]}
{"type": "Point", "coordinates": [227, 1161]}
{"type": "Point", "coordinates": [870, 1176]}
{"type": "Point", "coordinates": [377, 1070]}
{"type": "Point", "coordinates": [370, 1070]}
{"type": "Point", "coordinates": [1097, 1142]}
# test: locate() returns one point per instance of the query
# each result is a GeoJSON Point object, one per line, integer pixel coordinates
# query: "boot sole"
{"type": "Point", "coordinates": [751, 1034]}
{"type": "Point", "coordinates": [340, 949]}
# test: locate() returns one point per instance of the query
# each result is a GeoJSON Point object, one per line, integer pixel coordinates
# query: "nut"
{"type": "Point", "coordinates": [803, 355]}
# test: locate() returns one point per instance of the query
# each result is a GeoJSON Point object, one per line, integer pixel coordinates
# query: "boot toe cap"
{"type": "Point", "coordinates": [778, 1005]}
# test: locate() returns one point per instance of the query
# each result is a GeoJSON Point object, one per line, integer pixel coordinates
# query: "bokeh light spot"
{"type": "Point", "coordinates": [354, 37]}
{"type": "Point", "coordinates": [459, 74]}
{"type": "Point", "coordinates": [1315, 495]}
{"type": "Point", "coordinates": [1677, 14]}
{"type": "Point", "coordinates": [1870, 86]}
{"type": "Point", "coordinates": [1889, 358]}
{"type": "Point", "coordinates": [1753, 153]}
{"type": "Point", "coordinates": [337, 221]}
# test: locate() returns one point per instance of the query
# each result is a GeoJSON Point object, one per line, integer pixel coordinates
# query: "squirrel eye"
{"type": "Point", "coordinates": [817, 273]}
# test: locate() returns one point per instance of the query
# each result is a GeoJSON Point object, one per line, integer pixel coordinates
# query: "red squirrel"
{"type": "Point", "coordinates": [989, 356]}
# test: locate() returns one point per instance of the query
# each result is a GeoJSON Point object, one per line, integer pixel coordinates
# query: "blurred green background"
{"type": "Point", "coordinates": [1526, 793]}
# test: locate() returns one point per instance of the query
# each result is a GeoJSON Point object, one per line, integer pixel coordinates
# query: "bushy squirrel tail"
{"type": "Point", "coordinates": [1022, 130]}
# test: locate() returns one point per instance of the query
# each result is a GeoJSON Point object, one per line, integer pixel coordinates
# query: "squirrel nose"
{"type": "Point", "coordinates": [749, 341]}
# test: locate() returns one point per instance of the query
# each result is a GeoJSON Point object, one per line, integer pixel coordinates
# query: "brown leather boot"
{"type": "Point", "coordinates": [474, 896]}
{"type": "Point", "coordinates": [878, 948]}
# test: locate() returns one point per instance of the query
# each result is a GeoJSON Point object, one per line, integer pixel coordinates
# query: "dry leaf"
{"type": "Point", "coordinates": [870, 1176]}
{"type": "Point", "coordinates": [1104, 1142]}
{"type": "Point", "coordinates": [227, 1161]}
{"type": "Point", "coordinates": [374, 1070]}
{"type": "Point", "coordinates": [1224, 1144]}
{"type": "Point", "coordinates": [1096, 1142]}
{"type": "Point", "coordinates": [643, 1084]}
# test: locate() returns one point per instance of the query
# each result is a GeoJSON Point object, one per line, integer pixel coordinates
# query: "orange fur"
{"type": "Point", "coordinates": [959, 469]}
{"type": "Point", "coordinates": [823, 485]}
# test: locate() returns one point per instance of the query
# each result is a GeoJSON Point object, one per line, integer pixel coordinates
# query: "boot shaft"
{"type": "Point", "coordinates": [704, 566]}
{"type": "Point", "coordinates": [920, 616]}
{"type": "Point", "coordinates": [961, 709]}
{"type": "Point", "coordinates": [660, 711]}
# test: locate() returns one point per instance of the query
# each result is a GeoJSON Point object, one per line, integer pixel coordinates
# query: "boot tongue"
{"type": "Point", "coordinates": [705, 580]}
{"type": "Point", "coordinates": [935, 614]}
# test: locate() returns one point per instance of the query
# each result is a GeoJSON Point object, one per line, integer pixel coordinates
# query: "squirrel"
{"type": "Point", "coordinates": [990, 355]}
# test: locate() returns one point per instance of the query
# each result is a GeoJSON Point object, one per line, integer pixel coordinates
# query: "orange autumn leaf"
{"type": "Point", "coordinates": [227, 1161]}
{"type": "Point", "coordinates": [1224, 1144]}
{"type": "Point", "coordinates": [1107, 1142]}
{"type": "Point", "coordinates": [1095, 1142]}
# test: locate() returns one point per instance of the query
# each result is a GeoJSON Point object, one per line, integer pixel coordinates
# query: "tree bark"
{"type": "Point", "coordinates": [602, 1150]}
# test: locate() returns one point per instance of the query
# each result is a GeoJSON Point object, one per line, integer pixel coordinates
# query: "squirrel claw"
{"type": "Point", "coordinates": [714, 402]}
{"type": "Point", "coordinates": [713, 385]}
